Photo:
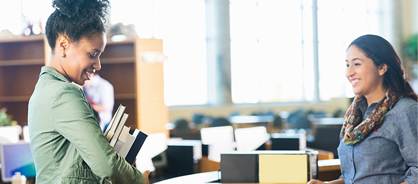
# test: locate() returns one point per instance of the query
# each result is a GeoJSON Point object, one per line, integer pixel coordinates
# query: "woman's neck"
{"type": "Point", "coordinates": [376, 96]}
{"type": "Point", "coordinates": [55, 64]}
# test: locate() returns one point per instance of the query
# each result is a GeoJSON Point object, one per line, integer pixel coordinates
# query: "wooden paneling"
{"type": "Point", "coordinates": [152, 111]}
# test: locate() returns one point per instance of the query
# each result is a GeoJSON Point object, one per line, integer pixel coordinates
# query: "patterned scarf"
{"type": "Point", "coordinates": [353, 130]}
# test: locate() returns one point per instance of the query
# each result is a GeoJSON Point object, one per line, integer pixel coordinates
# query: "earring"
{"type": "Point", "coordinates": [63, 55]}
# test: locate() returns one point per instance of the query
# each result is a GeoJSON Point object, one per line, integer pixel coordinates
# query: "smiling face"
{"type": "Point", "coordinates": [365, 77]}
{"type": "Point", "coordinates": [82, 58]}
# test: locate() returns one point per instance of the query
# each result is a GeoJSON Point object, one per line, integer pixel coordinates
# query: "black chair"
{"type": "Point", "coordinates": [326, 138]}
{"type": "Point", "coordinates": [270, 113]}
{"type": "Point", "coordinates": [277, 122]}
{"type": "Point", "coordinates": [220, 122]}
{"type": "Point", "coordinates": [302, 123]}
{"type": "Point", "coordinates": [180, 161]}
{"type": "Point", "coordinates": [198, 118]}
{"type": "Point", "coordinates": [338, 113]}
{"type": "Point", "coordinates": [234, 113]}
{"type": "Point", "coordinates": [181, 125]}
{"type": "Point", "coordinates": [296, 115]}
{"type": "Point", "coordinates": [257, 113]}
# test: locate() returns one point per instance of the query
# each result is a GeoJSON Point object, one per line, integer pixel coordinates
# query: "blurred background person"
{"type": "Point", "coordinates": [99, 92]}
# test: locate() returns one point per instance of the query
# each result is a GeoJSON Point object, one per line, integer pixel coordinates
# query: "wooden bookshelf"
{"type": "Point", "coordinates": [137, 85]}
{"type": "Point", "coordinates": [21, 60]}
{"type": "Point", "coordinates": [118, 60]}
{"type": "Point", "coordinates": [14, 98]}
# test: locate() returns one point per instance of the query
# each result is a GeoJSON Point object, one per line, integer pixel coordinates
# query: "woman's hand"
{"type": "Point", "coordinates": [337, 181]}
{"type": "Point", "coordinates": [146, 174]}
{"type": "Point", "coordinates": [133, 163]}
{"type": "Point", "coordinates": [314, 181]}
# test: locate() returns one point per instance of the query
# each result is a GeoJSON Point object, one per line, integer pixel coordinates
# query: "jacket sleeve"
{"type": "Point", "coordinates": [407, 140]}
{"type": "Point", "coordinates": [74, 119]}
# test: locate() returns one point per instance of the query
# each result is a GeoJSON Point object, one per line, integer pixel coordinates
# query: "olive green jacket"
{"type": "Point", "coordinates": [66, 141]}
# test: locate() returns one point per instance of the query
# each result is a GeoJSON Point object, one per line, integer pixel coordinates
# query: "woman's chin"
{"type": "Point", "coordinates": [80, 83]}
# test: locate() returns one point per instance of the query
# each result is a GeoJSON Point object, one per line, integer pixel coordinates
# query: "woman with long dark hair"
{"type": "Point", "coordinates": [379, 137]}
{"type": "Point", "coordinates": [67, 143]}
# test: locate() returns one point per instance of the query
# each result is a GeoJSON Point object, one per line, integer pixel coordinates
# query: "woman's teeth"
{"type": "Point", "coordinates": [355, 81]}
{"type": "Point", "coordinates": [88, 74]}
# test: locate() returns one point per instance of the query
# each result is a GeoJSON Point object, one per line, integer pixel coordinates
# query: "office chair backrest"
{"type": "Point", "coordinates": [11, 132]}
{"type": "Point", "coordinates": [220, 122]}
{"type": "Point", "coordinates": [327, 138]}
{"type": "Point", "coordinates": [220, 139]}
{"type": "Point", "coordinates": [296, 115]}
{"type": "Point", "coordinates": [277, 122]}
{"type": "Point", "coordinates": [249, 139]}
{"type": "Point", "coordinates": [4, 140]}
{"type": "Point", "coordinates": [198, 118]}
{"type": "Point", "coordinates": [234, 113]}
{"type": "Point", "coordinates": [182, 125]}
{"type": "Point", "coordinates": [26, 133]}
{"type": "Point", "coordinates": [302, 123]}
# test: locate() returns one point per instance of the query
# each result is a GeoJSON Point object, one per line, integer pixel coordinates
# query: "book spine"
{"type": "Point", "coordinates": [115, 123]}
{"type": "Point", "coordinates": [118, 130]}
{"type": "Point", "coordinates": [136, 146]}
{"type": "Point", "coordinates": [124, 133]}
{"type": "Point", "coordinates": [126, 146]}
{"type": "Point", "coordinates": [111, 121]}
{"type": "Point", "coordinates": [118, 146]}
{"type": "Point", "coordinates": [122, 138]}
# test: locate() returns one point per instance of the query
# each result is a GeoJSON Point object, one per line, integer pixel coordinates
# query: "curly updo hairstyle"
{"type": "Point", "coordinates": [76, 19]}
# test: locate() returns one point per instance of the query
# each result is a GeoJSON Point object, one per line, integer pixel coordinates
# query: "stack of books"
{"type": "Point", "coordinates": [125, 144]}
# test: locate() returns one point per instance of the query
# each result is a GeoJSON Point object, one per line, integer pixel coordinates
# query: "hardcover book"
{"type": "Point", "coordinates": [125, 144]}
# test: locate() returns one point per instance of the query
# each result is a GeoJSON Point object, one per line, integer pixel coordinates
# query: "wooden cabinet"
{"type": "Point", "coordinates": [137, 84]}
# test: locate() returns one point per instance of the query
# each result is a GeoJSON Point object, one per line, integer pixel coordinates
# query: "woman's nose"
{"type": "Point", "coordinates": [97, 65]}
{"type": "Point", "coordinates": [350, 71]}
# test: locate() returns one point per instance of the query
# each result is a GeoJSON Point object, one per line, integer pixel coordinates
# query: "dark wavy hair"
{"type": "Point", "coordinates": [381, 52]}
{"type": "Point", "coordinates": [76, 19]}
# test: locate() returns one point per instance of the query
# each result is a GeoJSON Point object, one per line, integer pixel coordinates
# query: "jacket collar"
{"type": "Point", "coordinates": [53, 72]}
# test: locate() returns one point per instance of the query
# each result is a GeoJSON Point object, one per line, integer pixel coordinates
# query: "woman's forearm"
{"type": "Point", "coordinates": [338, 181]}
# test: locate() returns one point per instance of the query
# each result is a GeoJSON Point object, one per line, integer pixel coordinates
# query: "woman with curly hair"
{"type": "Point", "coordinates": [67, 143]}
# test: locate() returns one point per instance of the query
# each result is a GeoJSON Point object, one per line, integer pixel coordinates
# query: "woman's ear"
{"type": "Point", "coordinates": [63, 44]}
{"type": "Point", "coordinates": [383, 68]}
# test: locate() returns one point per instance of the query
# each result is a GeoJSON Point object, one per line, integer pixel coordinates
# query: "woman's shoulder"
{"type": "Point", "coordinates": [405, 104]}
{"type": "Point", "coordinates": [58, 87]}
{"type": "Point", "coordinates": [405, 110]}
{"type": "Point", "coordinates": [57, 90]}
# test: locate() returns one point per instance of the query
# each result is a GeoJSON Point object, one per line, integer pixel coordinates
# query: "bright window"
{"type": "Point", "coordinates": [271, 51]}
{"type": "Point", "coordinates": [272, 46]}
{"type": "Point", "coordinates": [272, 43]}
{"type": "Point", "coordinates": [339, 23]}
{"type": "Point", "coordinates": [182, 26]}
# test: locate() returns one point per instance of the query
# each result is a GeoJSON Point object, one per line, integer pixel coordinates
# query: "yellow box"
{"type": "Point", "coordinates": [283, 168]}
